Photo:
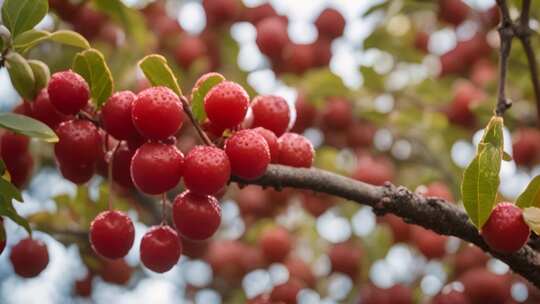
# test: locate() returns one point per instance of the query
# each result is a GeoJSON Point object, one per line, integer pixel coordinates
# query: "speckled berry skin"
{"type": "Point", "coordinates": [116, 116]}
{"type": "Point", "coordinates": [271, 112]}
{"type": "Point", "coordinates": [248, 153]}
{"type": "Point", "coordinates": [330, 23]}
{"type": "Point", "coordinates": [68, 92]}
{"type": "Point", "coordinates": [196, 217]}
{"type": "Point", "coordinates": [271, 140]}
{"type": "Point", "coordinates": [226, 104]}
{"type": "Point", "coordinates": [295, 150]}
{"type": "Point", "coordinates": [505, 230]}
{"type": "Point", "coordinates": [112, 234]}
{"type": "Point", "coordinates": [79, 142]}
{"type": "Point", "coordinates": [157, 113]}
{"type": "Point", "coordinates": [156, 167]}
{"type": "Point", "coordinates": [206, 170]}
{"type": "Point", "coordinates": [29, 257]}
{"type": "Point", "coordinates": [160, 248]}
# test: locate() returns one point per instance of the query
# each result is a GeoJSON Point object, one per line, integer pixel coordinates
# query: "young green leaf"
{"type": "Point", "coordinates": [7, 209]}
{"type": "Point", "coordinates": [531, 215]}
{"type": "Point", "coordinates": [41, 73]}
{"type": "Point", "coordinates": [9, 191]}
{"type": "Point", "coordinates": [531, 196]}
{"type": "Point", "coordinates": [91, 65]}
{"type": "Point", "coordinates": [29, 39]}
{"type": "Point", "coordinates": [20, 16]}
{"type": "Point", "coordinates": [493, 133]}
{"type": "Point", "coordinates": [21, 75]}
{"type": "Point", "coordinates": [27, 126]}
{"type": "Point", "coordinates": [158, 72]}
{"type": "Point", "coordinates": [197, 96]}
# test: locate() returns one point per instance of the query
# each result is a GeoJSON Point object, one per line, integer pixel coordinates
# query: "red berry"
{"type": "Point", "coordinates": [206, 170]}
{"type": "Point", "coordinates": [68, 92]}
{"type": "Point", "coordinates": [156, 167]}
{"type": "Point", "coordinates": [116, 271]}
{"type": "Point", "coordinates": [188, 50]}
{"type": "Point", "coordinates": [401, 231]}
{"type": "Point", "coordinates": [346, 258]}
{"type": "Point", "coordinates": [121, 165]}
{"type": "Point", "coordinates": [272, 142]}
{"type": "Point", "coordinates": [316, 204]}
{"type": "Point", "coordinates": [116, 116]}
{"type": "Point", "coordinates": [300, 270]}
{"type": "Point", "coordinates": [197, 217]}
{"type": "Point", "coordinates": [253, 201]}
{"type": "Point", "coordinates": [373, 170]}
{"type": "Point", "coordinates": [337, 113]}
{"type": "Point", "coordinates": [226, 104]}
{"type": "Point", "coordinates": [275, 243]}
{"type": "Point", "coordinates": [482, 286]}
{"type": "Point", "coordinates": [75, 173]}
{"type": "Point", "coordinates": [429, 243]}
{"type": "Point", "coordinates": [453, 11]}
{"type": "Point", "coordinates": [83, 287]}
{"type": "Point", "coordinates": [79, 143]}
{"type": "Point", "coordinates": [286, 292]}
{"type": "Point", "coordinates": [13, 145]}
{"type": "Point", "coordinates": [44, 111]}
{"type": "Point", "coordinates": [295, 150]}
{"type": "Point", "coordinates": [157, 113]}
{"type": "Point", "coordinates": [248, 153]}
{"type": "Point", "coordinates": [272, 36]}
{"type": "Point", "coordinates": [271, 112]}
{"type": "Point", "coordinates": [19, 169]}
{"type": "Point", "coordinates": [305, 113]}
{"type": "Point", "coordinates": [452, 297]}
{"type": "Point", "coordinates": [112, 234]}
{"type": "Point", "coordinates": [219, 12]}
{"type": "Point", "coordinates": [255, 14]}
{"type": "Point", "coordinates": [469, 257]}
{"type": "Point", "coordinates": [29, 257]}
{"type": "Point", "coordinates": [526, 146]}
{"type": "Point", "coordinates": [330, 23]}
{"type": "Point", "coordinates": [298, 58]}
{"type": "Point", "coordinates": [505, 230]}
{"type": "Point", "coordinates": [160, 248]}
{"type": "Point", "coordinates": [360, 134]}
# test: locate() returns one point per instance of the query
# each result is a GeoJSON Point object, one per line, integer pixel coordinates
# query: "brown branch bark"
{"type": "Point", "coordinates": [435, 214]}
{"type": "Point", "coordinates": [506, 34]}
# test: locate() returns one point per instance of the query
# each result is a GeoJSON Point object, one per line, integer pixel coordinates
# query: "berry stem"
{"type": "Point", "coordinates": [109, 175]}
{"type": "Point", "coordinates": [194, 122]}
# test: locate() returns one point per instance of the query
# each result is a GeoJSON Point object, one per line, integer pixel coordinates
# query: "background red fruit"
{"type": "Point", "coordinates": [272, 36]}
{"type": "Point", "coordinates": [305, 113]}
{"type": "Point", "coordinates": [258, 13]}
{"type": "Point", "coordinates": [68, 92]}
{"type": "Point", "coordinates": [316, 203]}
{"type": "Point", "coordinates": [453, 11]}
{"type": "Point", "coordinates": [44, 111]}
{"type": "Point", "coordinates": [373, 170]}
{"type": "Point", "coordinates": [469, 257]}
{"type": "Point", "coordinates": [429, 243]}
{"type": "Point", "coordinates": [337, 113]}
{"type": "Point", "coordinates": [300, 270]}
{"type": "Point", "coordinates": [157, 104]}
{"type": "Point", "coordinates": [295, 150]}
{"type": "Point", "coordinates": [482, 286]}
{"type": "Point", "coordinates": [121, 165]}
{"type": "Point", "coordinates": [275, 243]}
{"type": "Point", "coordinates": [160, 248]}
{"type": "Point", "coordinates": [197, 217]}
{"type": "Point", "coordinates": [438, 190]}
{"type": "Point", "coordinates": [248, 153]}
{"type": "Point", "coordinates": [452, 297]}
{"type": "Point", "coordinates": [79, 143]}
{"type": "Point", "coordinates": [29, 257]}
{"type": "Point", "coordinates": [526, 146]}
{"type": "Point", "coordinates": [272, 142]}
{"type": "Point", "coordinates": [112, 234]}
{"type": "Point", "coordinates": [505, 230]}
{"type": "Point", "coordinates": [254, 201]}
{"type": "Point", "coordinates": [401, 231]}
{"type": "Point", "coordinates": [206, 170]}
{"type": "Point", "coordinates": [226, 104]}
{"type": "Point", "coordinates": [116, 271]}
{"type": "Point", "coordinates": [219, 12]}
{"type": "Point", "coordinates": [13, 145]}
{"type": "Point", "coordinates": [189, 49]}
{"type": "Point", "coordinates": [156, 168]}
{"type": "Point", "coordinates": [271, 112]}
{"type": "Point", "coordinates": [224, 256]}
{"type": "Point", "coordinates": [346, 258]}
{"type": "Point", "coordinates": [298, 58]}
{"type": "Point", "coordinates": [330, 23]}
{"type": "Point", "coordinates": [287, 291]}
{"type": "Point", "coordinates": [116, 115]}
{"type": "Point", "coordinates": [83, 287]}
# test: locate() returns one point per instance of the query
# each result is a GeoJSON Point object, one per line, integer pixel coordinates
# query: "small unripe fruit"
{"type": "Point", "coordinates": [271, 112]}
{"type": "Point", "coordinates": [116, 116]}
{"type": "Point", "coordinates": [206, 170]}
{"type": "Point", "coordinates": [346, 258]}
{"type": "Point", "coordinates": [248, 153]}
{"type": "Point", "coordinates": [29, 257]}
{"type": "Point", "coordinates": [196, 217]}
{"type": "Point", "coordinates": [44, 111]}
{"type": "Point", "coordinates": [160, 248]}
{"type": "Point", "coordinates": [157, 113]}
{"type": "Point", "coordinates": [68, 92]}
{"type": "Point", "coordinates": [505, 230]}
{"type": "Point", "coordinates": [272, 142]}
{"type": "Point", "coordinates": [226, 104]}
{"type": "Point", "coordinates": [275, 243]}
{"type": "Point", "coordinates": [112, 234]}
{"type": "Point", "coordinates": [295, 150]}
{"type": "Point", "coordinates": [79, 142]}
{"type": "Point", "coordinates": [330, 23]}
{"type": "Point", "coordinates": [272, 36]}
{"type": "Point", "coordinates": [156, 168]}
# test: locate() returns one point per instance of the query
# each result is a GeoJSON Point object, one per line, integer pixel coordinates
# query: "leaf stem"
{"type": "Point", "coordinates": [196, 125]}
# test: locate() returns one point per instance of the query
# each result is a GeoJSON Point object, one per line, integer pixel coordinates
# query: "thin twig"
{"type": "Point", "coordinates": [194, 122]}
{"type": "Point", "coordinates": [506, 34]}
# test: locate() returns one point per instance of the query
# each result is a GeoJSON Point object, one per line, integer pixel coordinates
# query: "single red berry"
{"type": "Point", "coordinates": [300, 270]}
{"type": "Point", "coordinates": [157, 113]}
{"type": "Point", "coordinates": [121, 165]}
{"type": "Point", "coordinates": [275, 243]}
{"type": "Point", "coordinates": [189, 49]}
{"type": "Point", "coordinates": [44, 111]}
{"type": "Point", "coordinates": [330, 23]}
{"type": "Point", "coordinates": [112, 234]}
{"type": "Point", "coordinates": [160, 248]}
{"type": "Point", "coordinates": [116, 271]}
{"type": "Point", "coordinates": [206, 170]}
{"type": "Point", "coordinates": [13, 145]}
{"type": "Point", "coordinates": [79, 142]}
{"type": "Point", "coordinates": [83, 287]}
{"type": "Point", "coordinates": [20, 169]}
{"type": "Point", "coordinates": [75, 173]}
{"type": "Point", "coordinates": [429, 243]}
{"type": "Point", "coordinates": [116, 116]}
{"type": "Point", "coordinates": [196, 217]}
{"type": "Point", "coordinates": [157, 168]}
{"type": "Point", "coordinates": [271, 140]}
{"type": "Point", "coordinates": [271, 112]}
{"type": "Point", "coordinates": [219, 12]}
{"type": "Point", "coordinates": [298, 58]}
{"type": "Point", "coordinates": [272, 36]}
{"type": "Point", "coordinates": [526, 146]}
{"type": "Point", "coordinates": [305, 113]}
{"type": "Point", "coordinates": [248, 153]}
{"type": "Point", "coordinates": [346, 258]}
{"type": "Point", "coordinates": [295, 150]}
{"type": "Point", "coordinates": [226, 104]}
{"type": "Point", "coordinates": [506, 230]}
{"type": "Point", "coordinates": [373, 170]}
{"type": "Point", "coordinates": [337, 113]}
{"type": "Point", "coordinates": [453, 11]}
{"type": "Point", "coordinates": [68, 92]}
{"type": "Point", "coordinates": [29, 257]}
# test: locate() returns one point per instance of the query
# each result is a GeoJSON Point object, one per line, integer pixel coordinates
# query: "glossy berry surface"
{"type": "Point", "coordinates": [271, 140]}
{"type": "Point", "coordinates": [20, 168]}
{"type": "Point", "coordinates": [206, 170]}
{"type": "Point", "coordinates": [29, 257]}
{"type": "Point", "coordinates": [43, 110]}
{"type": "Point", "coordinates": [116, 115]}
{"type": "Point", "coordinates": [79, 142]}
{"type": "Point", "coordinates": [505, 230]}
{"type": "Point", "coordinates": [160, 248]}
{"type": "Point", "coordinates": [156, 168]}
{"type": "Point", "coordinates": [75, 173]}
{"type": "Point", "coordinates": [196, 217]}
{"type": "Point", "coordinates": [226, 104]}
{"type": "Point", "coordinates": [112, 234]}
{"type": "Point", "coordinates": [295, 150]}
{"type": "Point", "coordinates": [275, 244]}
{"type": "Point", "coordinates": [68, 92]}
{"type": "Point", "coordinates": [330, 23]}
{"type": "Point", "coordinates": [121, 165]}
{"type": "Point", "coordinates": [248, 153]}
{"type": "Point", "coordinates": [271, 112]}
{"type": "Point", "coordinates": [157, 113]}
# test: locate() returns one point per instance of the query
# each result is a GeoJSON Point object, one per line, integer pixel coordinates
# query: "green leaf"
{"type": "Point", "coordinates": [29, 39]}
{"type": "Point", "coordinates": [480, 184]}
{"type": "Point", "coordinates": [27, 126]}
{"type": "Point", "coordinates": [158, 72]}
{"type": "Point", "coordinates": [91, 65]}
{"type": "Point", "coordinates": [41, 74]}
{"type": "Point", "coordinates": [21, 75]}
{"type": "Point", "coordinates": [493, 134]}
{"type": "Point", "coordinates": [531, 196]}
{"type": "Point", "coordinates": [9, 191]}
{"type": "Point", "coordinates": [22, 15]}
{"type": "Point", "coordinates": [70, 38]}
{"type": "Point", "coordinates": [531, 216]}
{"type": "Point", "coordinates": [7, 209]}
{"type": "Point", "coordinates": [198, 94]}
{"type": "Point", "coordinates": [507, 157]}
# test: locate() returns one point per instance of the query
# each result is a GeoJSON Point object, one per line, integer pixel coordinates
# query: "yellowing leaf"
{"type": "Point", "coordinates": [531, 196]}
{"type": "Point", "coordinates": [158, 72]}
{"type": "Point", "coordinates": [531, 216]}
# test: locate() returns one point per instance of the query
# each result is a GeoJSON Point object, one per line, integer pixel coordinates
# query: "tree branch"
{"type": "Point", "coordinates": [435, 214]}
{"type": "Point", "coordinates": [506, 34]}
